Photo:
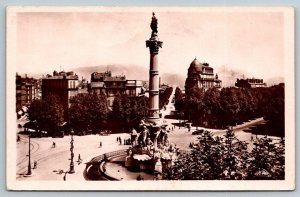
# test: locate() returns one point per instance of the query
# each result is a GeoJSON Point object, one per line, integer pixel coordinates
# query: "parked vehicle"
{"type": "Point", "coordinates": [198, 132]}
{"type": "Point", "coordinates": [105, 132]}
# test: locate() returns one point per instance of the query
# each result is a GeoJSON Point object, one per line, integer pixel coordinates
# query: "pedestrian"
{"type": "Point", "coordinates": [120, 140]}
{"type": "Point", "coordinates": [18, 138]}
{"type": "Point", "coordinates": [35, 165]}
{"type": "Point", "coordinates": [64, 177]}
{"type": "Point", "coordinates": [139, 178]}
{"type": "Point", "coordinates": [79, 158]}
{"type": "Point", "coordinates": [100, 144]}
{"type": "Point", "coordinates": [53, 144]}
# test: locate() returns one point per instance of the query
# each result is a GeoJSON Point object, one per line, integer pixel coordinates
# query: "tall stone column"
{"type": "Point", "coordinates": [154, 44]}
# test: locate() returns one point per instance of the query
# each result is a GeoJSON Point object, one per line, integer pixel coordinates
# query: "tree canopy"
{"type": "Point", "coordinates": [230, 106]}
{"type": "Point", "coordinates": [88, 112]}
{"type": "Point", "coordinates": [227, 158]}
{"type": "Point", "coordinates": [48, 114]}
{"type": "Point", "coordinates": [127, 112]}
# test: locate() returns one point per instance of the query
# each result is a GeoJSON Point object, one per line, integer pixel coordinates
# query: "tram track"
{"type": "Point", "coordinates": [34, 147]}
{"type": "Point", "coordinates": [41, 159]}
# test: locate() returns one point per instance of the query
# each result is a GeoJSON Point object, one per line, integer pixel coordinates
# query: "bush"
{"type": "Point", "coordinates": [227, 158]}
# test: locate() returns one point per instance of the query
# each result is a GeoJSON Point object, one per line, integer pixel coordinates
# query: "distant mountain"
{"type": "Point", "coordinates": [274, 81]}
{"type": "Point", "coordinates": [173, 79]}
{"type": "Point", "coordinates": [131, 72]}
{"type": "Point", "coordinates": [227, 75]}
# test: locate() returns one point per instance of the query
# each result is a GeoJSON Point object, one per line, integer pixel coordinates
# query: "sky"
{"type": "Point", "coordinates": [251, 43]}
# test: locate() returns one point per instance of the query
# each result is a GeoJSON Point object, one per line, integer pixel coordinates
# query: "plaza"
{"type": "Point", "coordinates": [159, 138]}
{"type": "Point", "coordinates": [52, 163]}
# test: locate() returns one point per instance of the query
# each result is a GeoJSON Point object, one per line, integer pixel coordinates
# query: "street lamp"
{"type": "Point", "coordinates": [71, 171]}
{"type": "Point", "coordinates": [29, 164]}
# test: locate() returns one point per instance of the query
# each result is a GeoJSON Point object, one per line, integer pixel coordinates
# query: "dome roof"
{"type": "Point", "coordinates": [196, 65]}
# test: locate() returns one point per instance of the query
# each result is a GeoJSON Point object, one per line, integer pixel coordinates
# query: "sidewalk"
{"type": "Point", "coordinates": [52, 161]}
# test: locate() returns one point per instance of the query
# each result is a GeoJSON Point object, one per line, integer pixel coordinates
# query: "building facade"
{"type": "Point", "coordinates": [27, 89]}
{"type": "Point", "coordinates": [201, 75]}
{"type": "Point", "coordinates": [63, 85]}
{"type": "Point", "coordinates": [250, 83]}
{"type": "Point", "coordinates": [113, 85]}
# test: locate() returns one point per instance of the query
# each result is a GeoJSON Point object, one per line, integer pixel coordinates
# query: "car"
{"type": "Point", "coordinates": [198, 132]}
{"type": "Point", "coordinates": [105, 132]}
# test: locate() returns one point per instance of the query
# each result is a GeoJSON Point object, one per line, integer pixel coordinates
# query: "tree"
{"type": "Point", "coordinates": [127, 112]}
{"type": "Point", "coordinates": [227, 158]}
{"type": "Point", "coordinates": [164, 97]}
{"type": "Point", "coordinates": [78, 113]}
{"type": "Point", "coordinates": [235, 157]}
{"type": "Point", "coordinates": [139, 108]}
{"type": "Point", "coordinates": [88, 112]}
{"type": "Point", "coordinates": [126, 104]}
{"type": "Point", "coordinates": [48, 114]}
{"type": "Point", "coordinates": [203, 163]}
{"type": "Point", "coordinates": [117, 112]}
{"type": "Point", "coordinates": [179, 101]}
{"type": "Point", "coordinates": [35, 112]}
{"type": "Point", "coordinates": [211, 107]}
{"type": "Point", "coordinates": [266, 160]}
{"type": "Point", "coordinates": [274, 110]}
{"type": "Point", "coordinates": [97, 111]}
{"type": "Point", "coordinates": [53, 113]}
{"type": "Point", "coordinates": [230, 106]}
{"type": "Point", "coordinates": [194, 104]}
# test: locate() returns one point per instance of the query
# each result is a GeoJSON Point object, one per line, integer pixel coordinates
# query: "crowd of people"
{"type": "Point", "coordinates": [124, 142]}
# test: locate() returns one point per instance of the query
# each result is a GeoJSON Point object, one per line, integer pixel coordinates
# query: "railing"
{"type": "Point", "coordinates": [101, 171]}
{"type": "Point", "coordinates": [100, 158]}
{"type": "Point", "coordinates": [115, 153]}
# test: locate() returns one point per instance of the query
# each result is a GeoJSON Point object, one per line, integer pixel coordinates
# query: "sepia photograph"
{"type": "Point", "coordinates": [150, 98]}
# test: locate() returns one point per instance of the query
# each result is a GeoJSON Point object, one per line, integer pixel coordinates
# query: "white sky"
{"type": "Point", "coordinates": [251, 42]}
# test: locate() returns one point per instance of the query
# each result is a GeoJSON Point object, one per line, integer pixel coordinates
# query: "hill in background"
{"type": "Point", "coordinates": [228, 76]}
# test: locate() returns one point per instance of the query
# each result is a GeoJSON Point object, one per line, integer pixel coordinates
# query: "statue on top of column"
{"type": "Point", "coordinates": [154, 23]}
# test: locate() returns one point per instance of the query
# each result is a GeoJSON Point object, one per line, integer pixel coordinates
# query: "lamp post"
{"type": "Point", "coordinates": [71, 171]}
{"type": "Point", "coordinates": [29, 164]}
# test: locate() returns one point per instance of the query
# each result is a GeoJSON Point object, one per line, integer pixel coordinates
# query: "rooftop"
{"type": "Point", "coordinates": [115, 78]}
{"type": "Point", "coordinates": [62, 75]}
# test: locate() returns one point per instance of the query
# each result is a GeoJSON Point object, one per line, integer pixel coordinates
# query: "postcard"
{"type": "Point", "coordinates": [150, 98]}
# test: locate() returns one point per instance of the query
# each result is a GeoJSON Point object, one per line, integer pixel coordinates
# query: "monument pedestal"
{"type": "Point", "coordinates": [152, 140]}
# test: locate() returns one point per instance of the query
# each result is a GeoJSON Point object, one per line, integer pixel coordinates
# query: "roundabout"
{"type": "Point", "coordinates": [111, 166]}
